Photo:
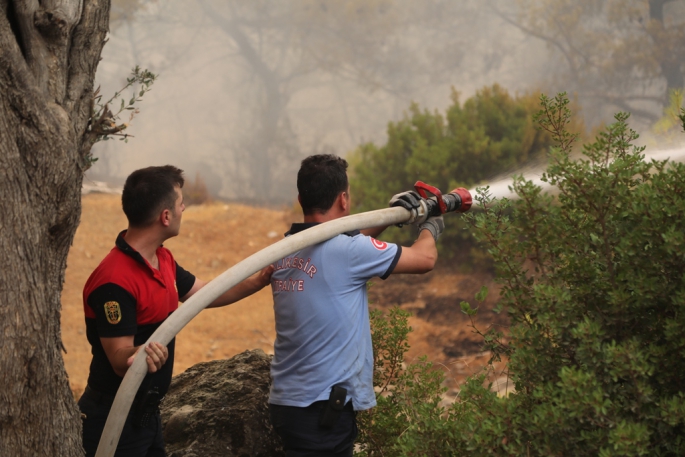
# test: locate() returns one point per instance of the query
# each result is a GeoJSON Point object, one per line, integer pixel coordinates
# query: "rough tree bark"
{"type": "Point", "coordinates": [49, 51]}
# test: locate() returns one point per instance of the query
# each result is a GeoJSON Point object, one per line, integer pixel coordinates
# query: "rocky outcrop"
{"type": "Point", "coordinates": [220, 408]}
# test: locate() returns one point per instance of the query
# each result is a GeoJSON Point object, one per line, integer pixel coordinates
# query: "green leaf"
{"type": "Point", "coordinates": [466, 309]}
{"type": "Point", "coordinates": [482, 294]}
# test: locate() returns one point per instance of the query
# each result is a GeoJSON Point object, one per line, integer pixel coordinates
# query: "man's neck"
{"type": "Point", "coordinates": [323, 217]}
{"type": "Point", "coordinates": [145, 241]}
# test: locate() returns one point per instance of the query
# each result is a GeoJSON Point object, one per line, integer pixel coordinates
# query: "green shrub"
{"type": "Point", "coordinates": [489, 134]}
{"type": "Point", "coordinates": [594, 282]}
{"type": "Point", "coordinates": [593, 279]}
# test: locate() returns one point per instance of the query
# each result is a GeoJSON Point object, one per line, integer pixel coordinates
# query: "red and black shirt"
{"type": "Point", "coordinates": [125, 296]}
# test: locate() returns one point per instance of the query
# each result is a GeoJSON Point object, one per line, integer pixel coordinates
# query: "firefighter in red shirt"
{"type": "Point", "coordinates": [128, 296]}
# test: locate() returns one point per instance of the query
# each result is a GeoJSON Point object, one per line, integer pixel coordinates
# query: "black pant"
{"type": "Point", "coordinates": [134, 442]}
{"type": "Point", "coordinates": [302, 437]}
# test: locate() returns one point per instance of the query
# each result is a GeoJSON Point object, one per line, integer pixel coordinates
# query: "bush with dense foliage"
{"type": "Point", "coordinates": [594, 282]}
{"type": "Point", "coordinates": [489, 134]}
{"type": "Point", "coordinates": [593, 279]}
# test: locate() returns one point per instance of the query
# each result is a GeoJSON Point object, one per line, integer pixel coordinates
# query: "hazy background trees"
{"type": "Point", "coordinates": [614, 54]}
{"type": "Point", "coordinates": [247, 89]}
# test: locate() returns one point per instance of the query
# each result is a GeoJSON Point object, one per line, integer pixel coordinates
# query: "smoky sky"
{"type": "Point", "coordinates": [245, 90]}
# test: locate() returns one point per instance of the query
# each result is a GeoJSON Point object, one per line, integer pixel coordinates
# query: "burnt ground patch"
{"type": "Point", "coordinates": [463, 347]}
{"type": "Point", "coordinates": [442, 311]}
{"type": "Point", "coordinates": [396, 290]}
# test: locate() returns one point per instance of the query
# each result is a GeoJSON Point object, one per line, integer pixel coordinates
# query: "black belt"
{"type": "Point", "coordinates": [322, 404]}
{"type": "Point", "coordinates": [98, 397]}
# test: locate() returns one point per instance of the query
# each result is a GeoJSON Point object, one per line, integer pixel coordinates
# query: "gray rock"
{"type": "Point", "coordinates": [220, 408]}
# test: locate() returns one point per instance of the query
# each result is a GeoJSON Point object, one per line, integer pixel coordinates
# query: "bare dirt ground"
{"type": "Point", "coordinates": [216, 236]}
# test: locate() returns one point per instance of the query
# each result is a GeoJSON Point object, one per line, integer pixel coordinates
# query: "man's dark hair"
{"type": "Point", "coordinates": [148, 191]}
{"type": "Point", "coordinates": [320, 180]}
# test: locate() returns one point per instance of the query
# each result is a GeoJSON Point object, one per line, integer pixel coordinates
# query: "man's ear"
{"type": "Point", "coordinates": [344, 200]}
{"type": "Point", "coordinates": [165, 217]}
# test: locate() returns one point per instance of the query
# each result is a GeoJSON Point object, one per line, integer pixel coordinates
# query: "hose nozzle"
{"type": "Point", "coordinates": [459, 200]}
{"type": "Point", "coordinates": [462, 200]}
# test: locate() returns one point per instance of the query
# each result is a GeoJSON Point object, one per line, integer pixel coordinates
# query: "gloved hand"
{"type": "Point", "coordinates": [408, 200]}
{"type": "Point", "coordinates": [435, 225]}
{"type": "Point", "coordinates": [411, 201]}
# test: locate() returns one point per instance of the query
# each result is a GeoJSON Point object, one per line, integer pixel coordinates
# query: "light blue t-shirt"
{"type": "Point", "coordinates": [322, 319]}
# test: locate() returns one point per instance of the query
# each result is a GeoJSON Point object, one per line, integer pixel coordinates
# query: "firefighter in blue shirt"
{"type": "Point", "coordinates": [323, 362]}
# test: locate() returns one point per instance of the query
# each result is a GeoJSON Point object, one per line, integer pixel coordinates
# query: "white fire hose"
{"type": "Point", "coordinates": [229, 278]}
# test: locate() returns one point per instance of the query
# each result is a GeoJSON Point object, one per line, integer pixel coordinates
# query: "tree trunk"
{"type": "Point", "coordinates": [255, 184]}
{"type": "Point", "coordinates": [670, 62]}
{"type": "Point", "coordinates": [49, 51]}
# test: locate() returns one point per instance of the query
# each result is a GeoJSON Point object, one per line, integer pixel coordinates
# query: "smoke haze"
{"type": "Point", "coordinates": [247, 89]}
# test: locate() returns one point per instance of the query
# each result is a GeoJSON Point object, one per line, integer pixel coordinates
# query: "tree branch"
{"type": "Point", "coordinates": [541, 36]}
{"type": "Point", "coordinates": [625, 106]}
{"type": "Point", "coordinates": [648, 98]}
{"type": "Point", "coordinates": [17, 82]}
{"type": "Point", "coordinates": [11, 54]}
{"type": "Point", "coordinates": [88, 39]}
{"type": "Point", "coordinates": [30, 41]}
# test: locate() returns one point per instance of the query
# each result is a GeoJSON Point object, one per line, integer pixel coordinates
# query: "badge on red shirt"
{"type": "Point", "coordinates": [113, 312]}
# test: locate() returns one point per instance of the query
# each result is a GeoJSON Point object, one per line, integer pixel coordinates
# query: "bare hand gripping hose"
{"type": "Point", "coordinates": [239, 272]}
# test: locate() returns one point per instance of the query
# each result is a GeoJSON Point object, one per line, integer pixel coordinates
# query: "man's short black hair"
{"type": "Point", "coordinates": [320, 180]}
{"type": "Point", "coordinates": [148, 191]}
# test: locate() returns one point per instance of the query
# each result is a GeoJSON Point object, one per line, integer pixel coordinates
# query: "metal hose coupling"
{"type": "Point", "coordinates": [459, 200]}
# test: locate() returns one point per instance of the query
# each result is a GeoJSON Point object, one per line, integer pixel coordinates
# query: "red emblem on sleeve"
{"type": "Point", "coordinates": [380, 245]}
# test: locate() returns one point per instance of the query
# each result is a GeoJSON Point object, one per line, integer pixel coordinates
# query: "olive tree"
{"type": "Point", "coordinates": [49, 51]}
